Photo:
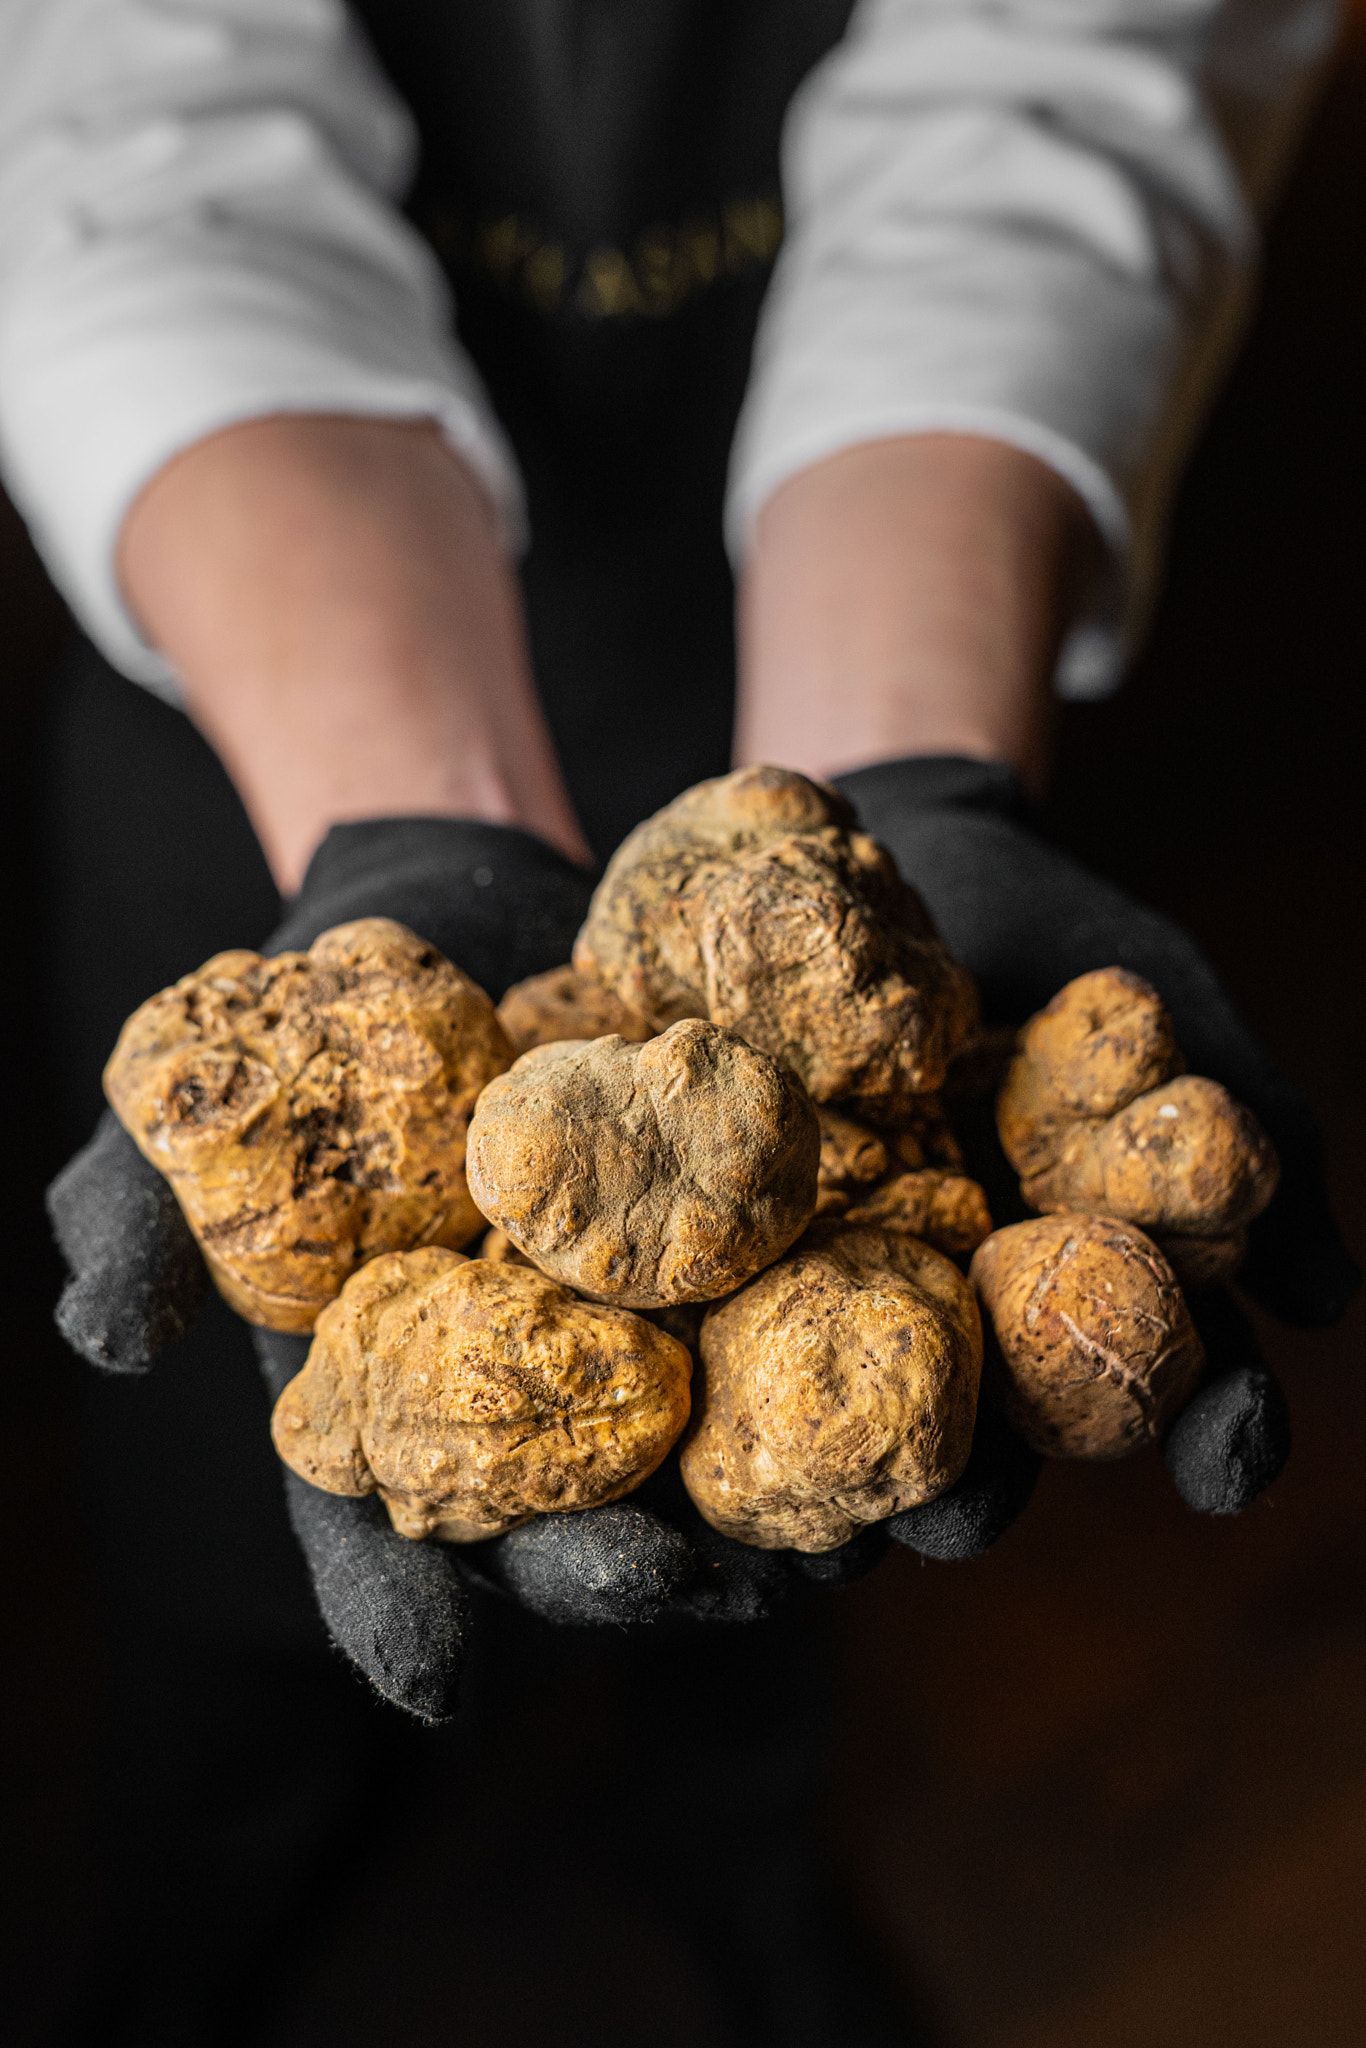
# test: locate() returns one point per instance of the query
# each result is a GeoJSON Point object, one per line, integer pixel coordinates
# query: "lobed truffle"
{"type": "Point", "coordinates": [837, 1388]}
{"type": "Point", "coordinates": [310, 1109]}
{"type": "Point", "coordinates": [471, 1396]}
{"type": "Point", "coordinates": [754, 901]}
{"type": "Point", "coordinates": [1097, 1114]}
{"type": "Point", "coordinates": [647, 1174]}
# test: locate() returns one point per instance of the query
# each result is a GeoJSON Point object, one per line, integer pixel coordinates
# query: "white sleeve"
{"type": "Point", "coordinates": [1032, 220]}
{"type": "Point", "coordinates": [198, 226]}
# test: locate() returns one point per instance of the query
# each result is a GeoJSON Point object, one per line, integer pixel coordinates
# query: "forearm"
{"type": "Point", "coordinates": [909, 596]}
{"type": "Point", "coordinates": [347, 631]}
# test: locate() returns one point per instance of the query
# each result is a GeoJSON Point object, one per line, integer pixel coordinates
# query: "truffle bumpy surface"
{"type": "Point", "coordinates": [310, 1110]}
{"type": "Point", "coordinates": [566, 1004]}
{"type": "Point", "coordinates": [753, 900]}
{"type": "Point", "coordinates": [1098, 1345]}
{"type": "Point", "coordinates": [1097, 1114]}
{"type": "Point", "coordinates": [837, 1388]}
{"type": "Point", "coordinates": [647, 1174]}
{"type": "Point", "coordinates": [472, 1396]}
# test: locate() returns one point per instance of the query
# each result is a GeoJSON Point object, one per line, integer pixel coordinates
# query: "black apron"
{"type": "Point", "coordinates": [600, 178]}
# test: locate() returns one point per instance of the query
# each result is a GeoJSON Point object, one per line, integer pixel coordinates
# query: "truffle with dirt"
{"type": "Point", "coordinates": [310, 1109]}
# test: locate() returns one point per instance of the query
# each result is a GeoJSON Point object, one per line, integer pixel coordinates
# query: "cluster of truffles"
{"type": "Point", "coordinates": [721, 1204]}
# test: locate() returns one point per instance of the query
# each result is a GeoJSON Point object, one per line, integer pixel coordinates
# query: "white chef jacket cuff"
{"type": "Point", "coordinates": [75, 464]}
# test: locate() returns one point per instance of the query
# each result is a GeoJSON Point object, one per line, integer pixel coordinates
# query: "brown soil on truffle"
{"type": "Point", "coordinates": [647, 1174]}
{"type": "Point", "coordinates": [753, 900]}
{"type": "Point", "coordinates": [310, 1110]}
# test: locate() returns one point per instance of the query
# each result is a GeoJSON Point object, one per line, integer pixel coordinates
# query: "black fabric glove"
{"type": "Point", "coordinates": [1027, 919]}
{"type": "Point", "coordinates": [503, 906]}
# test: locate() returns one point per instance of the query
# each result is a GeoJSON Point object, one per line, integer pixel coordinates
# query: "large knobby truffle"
{"type": "Point", "coordinates": [838, 1388]}
{"type": "Point", "coordinates": [753, 900]}
{"type": "Point", "coordinates": [1098, 1345]}
{"type": "Point", "coordinates": [1097, 1114]}
{"type": "Point", "coordinates": [472, 1396]}
{"type": "Point", "coordinates": [310, 1110]}
{"type": "Point", "coordinates": [647, 1174]}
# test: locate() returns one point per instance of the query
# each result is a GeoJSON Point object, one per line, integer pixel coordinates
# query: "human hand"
{"type": "Point", "coordinates": [505, 906]}
{"type": "Point", "coordinates": [1027, 919]}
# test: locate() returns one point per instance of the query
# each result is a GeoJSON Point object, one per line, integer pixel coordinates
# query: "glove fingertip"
{"type": "Point", "coordinates": [976, 1511]}
{"type": "Point", "coordinates": [846, 1565]}
{"type": "Point", "coordinates": [397, 1609]}
{"type": "Point", "coordinates": [137, 1278]}
{"type": "Point", "coordinates": [615, 1564]}
{"type": "Point", "coordinates": [1230, 1442]}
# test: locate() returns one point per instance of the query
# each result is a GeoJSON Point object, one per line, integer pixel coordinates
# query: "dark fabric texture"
{"type": "Point", "coordinates": [993, 1490]}
{"type": "Point", "coordinates": [138, 1281]}
{"type": "Point", "coordinates": [1234, 1437]}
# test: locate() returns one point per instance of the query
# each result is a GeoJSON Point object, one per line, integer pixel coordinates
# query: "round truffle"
{"type": "Point", "coordinates": [753, 900]}
{"type": "Point", "coordinates": [647, 1174]}
{"type": "Point", "coordinates": [310, 1109]}
{"type": "Point", "coordinates": [471, 1396]}
{"type": "Point", "coordinates": [1098, 1345]}
{"type": "Point", "coordinates": [837, 1388]}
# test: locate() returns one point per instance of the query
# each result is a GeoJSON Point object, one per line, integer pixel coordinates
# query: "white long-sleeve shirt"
{"type": "Point", "coordinates": [1029, 219]}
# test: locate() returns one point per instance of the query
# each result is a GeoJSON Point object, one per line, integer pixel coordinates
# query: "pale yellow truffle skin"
{"type": "Point", "coordinates": [947, 1210]}
{"type": "Point", "coordinates": [566, 1004]}
{"type": "Point", "coordinates": [852, 1158]}
{"type": "Point", "coordinates": [310, 1109]}
{"type": "Point", "coordinates": [647, 1174]}
{"type": "Point", "coordinates": [837, 1388]}
{"type": "Point", "coordinates": [472, 1396]}
{"type": "Point", "coordinates": [1099, 1350]}
{"type": "Point", "coordinates": [1097, 1114]}
{"type": "Point", "coordinates": [753, 900]}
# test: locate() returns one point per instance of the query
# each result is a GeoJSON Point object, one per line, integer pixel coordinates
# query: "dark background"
{"type": "Point", "coordinates": [1108, 1785]}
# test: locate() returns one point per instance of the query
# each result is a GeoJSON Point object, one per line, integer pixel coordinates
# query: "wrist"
{"type": "Point", "coordinates": [908, 597]}
{"type": "Point", "coordinates": [347, 630]}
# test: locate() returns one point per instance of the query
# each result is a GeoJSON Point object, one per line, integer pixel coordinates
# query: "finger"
{"type": "Point", "coordinates": [137, 1279]}
{"type": "Point", "coordinates": [399, 1610]}
{"type": "Point", "coordinates": [611, 1564]}
{"type": "Point", "coordinates": [733, 1583]}
{"type": "Point", "coordinates": [1233, 1438]}
{"type": "Point", "coordinates": [847, 1564]}
{"type": "Point", "coordinates": [497, 900]}
{"type": "Point", "coordinates": [991, 1493]}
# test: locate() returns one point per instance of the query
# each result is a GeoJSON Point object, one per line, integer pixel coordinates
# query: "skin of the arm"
{"type": "Point", "coordinates": [909, 596]}
{"type": "Point", "coordinates": [348, 632]}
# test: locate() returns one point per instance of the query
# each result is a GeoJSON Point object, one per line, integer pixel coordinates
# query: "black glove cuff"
{"type": "Point", "coordinates": [934, 782]}
{"type": "Point", "coordinates": [498, 900]}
